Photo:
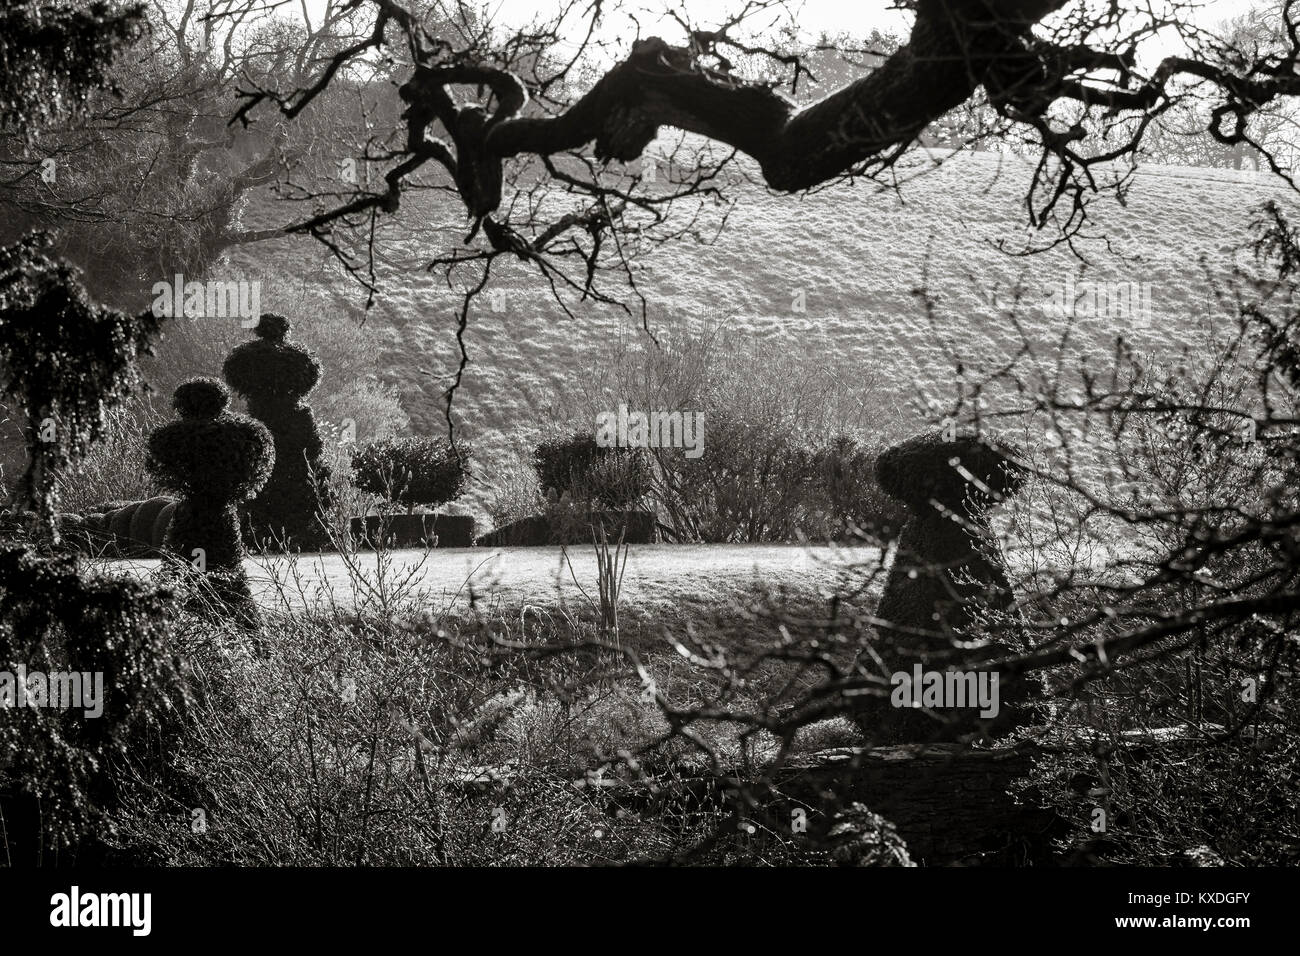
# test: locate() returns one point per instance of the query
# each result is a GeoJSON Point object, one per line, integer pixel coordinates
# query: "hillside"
{"type": "Point", "coordinates": [856, 252]}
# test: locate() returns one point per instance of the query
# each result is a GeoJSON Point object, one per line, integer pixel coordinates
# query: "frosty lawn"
{"type": "Point", "coordinates": [657, 575]}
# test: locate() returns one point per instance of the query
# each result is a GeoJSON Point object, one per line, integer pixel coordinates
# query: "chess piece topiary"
{"type": "Point", "coordinates": [274, 375]}
{"type": "Point", "coordinates": [948, 573]}
{"type": "Point", "coordinates": [213, 460]}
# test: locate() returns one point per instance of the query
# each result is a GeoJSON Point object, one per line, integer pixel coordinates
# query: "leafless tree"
{"type": "Point", "coordinates": [151, 167]}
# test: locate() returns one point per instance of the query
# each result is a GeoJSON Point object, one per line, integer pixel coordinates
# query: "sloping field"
{"type": "Point", "coordinates": [857, 254]}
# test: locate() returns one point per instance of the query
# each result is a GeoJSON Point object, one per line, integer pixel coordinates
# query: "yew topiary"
{"type": "Point", "coordinates": [66, 360]}
{"type": "Point", "coordinates": [213, 460]}
{"type": "Point", "coordinates": [56, 782]}
{"type": "Point", "coordinates": [274, 375]}
{"type": "Point", "coordinates": [949, 572]}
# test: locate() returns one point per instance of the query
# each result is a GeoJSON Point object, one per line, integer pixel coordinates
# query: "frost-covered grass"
{"type": "Point", "coordinates": [391, 733]}
{"type": "Point", "coordinates": [662, 583]}
{"type": "Point", "coordinates": [857, 254]}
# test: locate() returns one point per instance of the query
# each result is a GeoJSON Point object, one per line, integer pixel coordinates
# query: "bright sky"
{"type": "Point", "coordinates": [813, 16]}
{"type": "Point", "coordinates": [858, 17]}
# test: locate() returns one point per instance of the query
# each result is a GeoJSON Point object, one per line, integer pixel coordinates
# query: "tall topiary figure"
{"type": "Point", "coordinates": [948, 488]}
{"type": "Point", "coordinates": [949, 570]}
{"type": "Point", "coordinates": [274, 376]}
{"type": "Point", "coordinates": [214, 460]}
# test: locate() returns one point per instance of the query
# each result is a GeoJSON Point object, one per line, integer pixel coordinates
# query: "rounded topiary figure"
{"type": "Point", "coordinates": [413, 472]}
{"type": "Point", "coordinates": [213, 460]}
{"type": "Point", "coordinates": [274, 376]}
{"type": "Point", "coordinates": [948, 571]}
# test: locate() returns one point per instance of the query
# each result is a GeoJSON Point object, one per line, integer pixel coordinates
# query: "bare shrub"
{"type": "Point", "coordinates": [113, 468]}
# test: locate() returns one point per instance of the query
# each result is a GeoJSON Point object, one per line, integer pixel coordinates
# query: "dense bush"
{"type": "Point", "coordinates": [588, 473]}
{"type": "Point", "coordinates": [214, 460]}
{"type": "Point", "coordinates": [54, 785]}
{"type": "Point", "coordinates": [53, 782]}
{"type": "Point", "coordinates": [65, 359]}
{"type": "Point", "coordinates": [274, 376]}
{"type": "Point", "coordinates": [66, 55]}
{"type": "Point", "coordinates": [851, 501]}
{"type": "Point", "coordinates": [69, 362]}
{"type": "Point", "coordinates": [759, 481]}
{"type": "Point", "coordinates": [412, 471]}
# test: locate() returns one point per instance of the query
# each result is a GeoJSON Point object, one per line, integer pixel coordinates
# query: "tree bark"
{"type": "Point", "coordinates": [952, 48]}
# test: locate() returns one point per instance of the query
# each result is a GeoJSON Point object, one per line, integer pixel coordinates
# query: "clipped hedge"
{"type": "Point", "coordinates": [411, 471]}
{"type": "Point", "coordinates": [576, 466]}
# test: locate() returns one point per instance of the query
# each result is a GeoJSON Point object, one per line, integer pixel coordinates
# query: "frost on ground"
{"type": "Point", "coordinates": [857, 254]}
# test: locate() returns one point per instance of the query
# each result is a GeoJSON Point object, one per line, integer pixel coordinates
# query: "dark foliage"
{"type": "Point", "coordinates": [210, 455]}
{"type": "Point", "coordinates": [613, 478]}
{"type": "Point", "coordinates": [67, 361]}
{"type": "Point", "coordinates": [56, 618]}
{"type": "Point", "coordinates": [270, 371]}
{"type": "Point", "coordinates": [274, 376]}
{"type": "Point", "coordinates": [412, 471]}
{"type": "Point", "coordinates": [562, 527]}
{"type": "Point", "coordinates": [412, 531]}
{"type": "Point", "coordinates": [949, 569]}
{"type": "Point", "coordinates": [930, 467]}
{"type": "Point", "coordinates": [949, 565]}
{"type": "Point", "coordinates": [133, 529]}
{"type": "Point", "coordinates": [213, 460]}
{"type": "Point", "coordinates": [52, 55]}
{"type": "Point", "coordinates": [64, 358]}
{"type": "Point", "coordinates": [852, 499]}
